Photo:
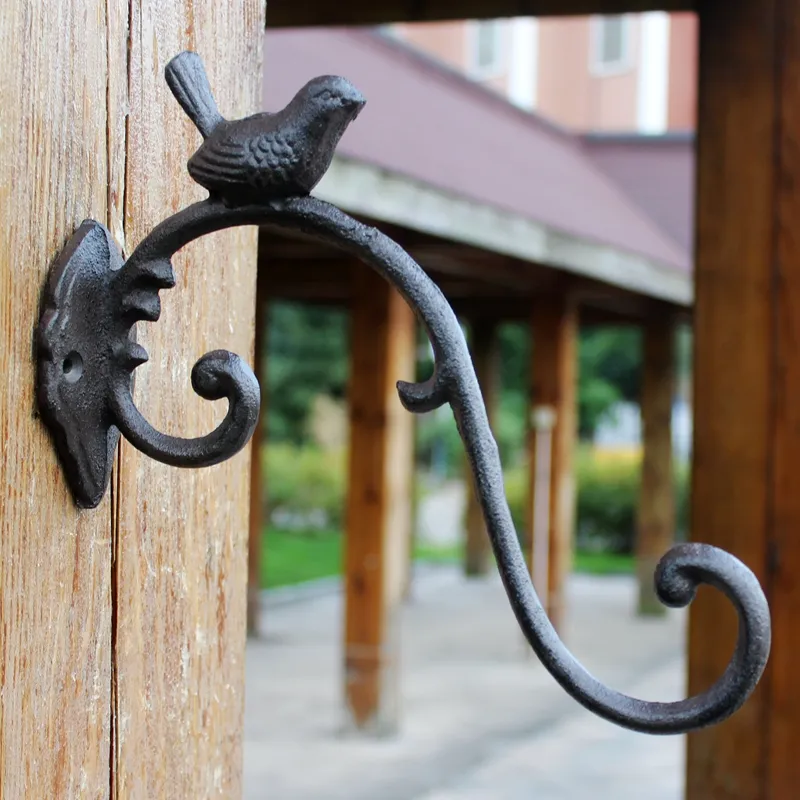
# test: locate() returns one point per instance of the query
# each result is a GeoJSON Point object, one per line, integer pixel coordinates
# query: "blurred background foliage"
{"type": "Point", "coordinates": [305, 461]}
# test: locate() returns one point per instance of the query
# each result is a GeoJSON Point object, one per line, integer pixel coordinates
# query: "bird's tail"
{"type": "Point", "coordinates": [187, 79]}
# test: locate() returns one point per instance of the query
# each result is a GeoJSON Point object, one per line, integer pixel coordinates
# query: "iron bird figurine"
{"type": "Point", "coordinates": [265, 156]}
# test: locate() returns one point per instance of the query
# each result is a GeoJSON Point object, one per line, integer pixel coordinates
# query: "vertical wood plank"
{"type": "Point", "coordinates": [484, 350]}
{"type": "Point", "coordinates": [181, 553]}
{"type": "Point", "coordinates": [734, 381]}
{"type": "Point", "coordinates": [55, 563]}
{"type": "Point", "coordinates": [656, 514]}
{"type": "Point", "coordinates": [378, 500]}
{"type": "Point", "coordinates": [258, 492]}
{"type": "Point", "coordinates": [783, 549]}
{"type": "Point", "coordinates": [554, 327]}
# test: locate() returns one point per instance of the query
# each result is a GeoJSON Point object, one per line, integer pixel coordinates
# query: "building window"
{"type": "Point", "coordinates": [611, 47]}
{"type": "Point", "coordinates": [487, 47]}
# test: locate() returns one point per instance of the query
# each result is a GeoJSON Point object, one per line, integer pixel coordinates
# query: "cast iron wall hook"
{"type": "Point", "coordinates": [259, 171]}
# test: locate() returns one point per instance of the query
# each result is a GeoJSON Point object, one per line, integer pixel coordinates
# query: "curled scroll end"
{"type": "Point", "coordinates": [677, 578]}
{"type": "Point", "coordinates": [420, 398]}
{"type": "Point", "coordinates": [215, 376]}
{"type": "Point", "coordinates": [220, 374]}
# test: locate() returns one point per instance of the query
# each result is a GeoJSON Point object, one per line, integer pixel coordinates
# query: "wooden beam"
{"type": "Point", "coordinates": [483, 346]}
{"type": "Point", "coordinates": [368, 12]}
{"type": "Point", "coordinates": [258, 491]}
{"type": "Point", "coordinates": [656, 519]}
{"type": "Point", "coordinates": [378, 500]}
{"type": "Point", "coordinates": [747, 381]}
{"type": "Point", "coordinates": [554, 327]}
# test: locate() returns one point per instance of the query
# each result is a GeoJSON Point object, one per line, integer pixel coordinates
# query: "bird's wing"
{"type": "Point", "coordinates": [260, 161]}
{"type": "Point", "coordinates": [273, 156]}
{"type": "Point", "coordinates": [220, 163]}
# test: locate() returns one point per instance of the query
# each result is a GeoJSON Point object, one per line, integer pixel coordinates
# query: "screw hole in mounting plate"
{"type": "Point", "coordinates": [73, 367]}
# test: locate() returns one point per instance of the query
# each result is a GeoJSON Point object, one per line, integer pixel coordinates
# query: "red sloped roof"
{"type": "Point", "coordinates": [429, 123]}
{"type": "Point", "coordinates": [657, 173]}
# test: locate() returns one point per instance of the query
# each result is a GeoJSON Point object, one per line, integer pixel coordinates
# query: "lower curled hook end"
{"type": "Point", "coordinates": [216, 376]}
{"type": "Point", "coordinates": [220, 374]}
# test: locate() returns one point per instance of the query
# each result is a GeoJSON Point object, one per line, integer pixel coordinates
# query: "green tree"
{"type": "Point", "coordinates": [609, 364]}
{"type": "Point", "coordinates": [307, 355]}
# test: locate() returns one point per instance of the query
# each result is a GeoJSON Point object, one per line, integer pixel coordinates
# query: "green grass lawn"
{"type": "Point", "coordinates": [289, 557]}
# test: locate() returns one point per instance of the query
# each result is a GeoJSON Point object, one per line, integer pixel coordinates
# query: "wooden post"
{"type": "Point", "coordinates": [554, 327]}
{"type": "Point", "coordinates": [656, 522]}
{"type": "Point", "coordinates": [746, 449]}
{"type": "Point", "coordinates": [122, 643]}
{"type": "Point", "coordinates": [483, 347]}
{"type": "Point", "coordinates": [408, 579]}
{"type": "Point", "coordinates": [258, 493]}
{"type": "Point", "coordinates": [180, 568]}
{"type": "Point", "coordinates": [378, 500]}
{"type": "Point", "coordinates": [55, 562]}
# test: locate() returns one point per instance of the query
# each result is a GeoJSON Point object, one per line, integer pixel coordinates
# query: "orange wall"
{"type": "Point", "coordinates": [682, 109]}
{"type": "Point", "coordinates": [447, 41]}
{"type": "Point", "coordinates": [568, 93]}
{"type": "Point", "coordinates": [563, 77]}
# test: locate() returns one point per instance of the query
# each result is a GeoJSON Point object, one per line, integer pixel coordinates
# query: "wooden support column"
{"type": "Point", "coordinates": [656, 520]}
{"type": "Point", "coordinates": [483, 347]}
{"type": "Point", "coordinates": [180, 535]}
{"type": "Point", "coordinates": [123, 627]}
{"type": "Point", "coordinates": [258, 489]}
{"type": "Point", "coordinates": [378, 500]}
{"type": "Point", "coordinates": [554, 328]}
{"type": "Point", "coordinates": [746, 496]}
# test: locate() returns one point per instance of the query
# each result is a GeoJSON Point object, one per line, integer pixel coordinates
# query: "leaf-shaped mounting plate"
{"type": "Point", "coordinates": [76, 329]}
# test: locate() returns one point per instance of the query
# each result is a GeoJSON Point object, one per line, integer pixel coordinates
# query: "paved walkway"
{"type": "Point", "coordinates": [481, 719]}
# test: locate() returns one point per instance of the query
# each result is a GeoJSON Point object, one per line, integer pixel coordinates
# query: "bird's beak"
{"type": "Point", "coordinates": [354, 102]}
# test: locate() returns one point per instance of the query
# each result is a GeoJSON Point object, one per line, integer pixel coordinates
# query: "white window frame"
{"type": "Point", "coordinates": [624, 64]}
{"type": "Point", "coordinates": [499, 65]}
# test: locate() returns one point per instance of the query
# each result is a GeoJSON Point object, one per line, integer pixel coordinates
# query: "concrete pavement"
{"type": "Point", "coordinates": [481, 720]}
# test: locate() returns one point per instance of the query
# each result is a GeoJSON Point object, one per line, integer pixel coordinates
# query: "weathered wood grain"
{"type": "Point", "coordinates": [55, 563]}
{"type": "Point", "coordinates": [181, 549]}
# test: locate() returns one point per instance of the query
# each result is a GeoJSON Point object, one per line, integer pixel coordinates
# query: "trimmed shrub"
{"type": "Point", "coordinates": [305, 486]}
{"type": "Point", "coordinates": [607, 486]}
{"type": "Point", "coordinates": [306, 491]}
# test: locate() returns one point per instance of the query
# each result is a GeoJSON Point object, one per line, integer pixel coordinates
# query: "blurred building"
{"type": "Point", "coordinates": [627, 73]}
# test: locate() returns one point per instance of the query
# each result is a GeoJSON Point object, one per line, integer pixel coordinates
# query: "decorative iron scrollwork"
{"type": "Point", "coordinates": [260, 171]}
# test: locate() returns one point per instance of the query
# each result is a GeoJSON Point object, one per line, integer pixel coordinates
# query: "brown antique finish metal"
{"type": "Point", "coordinates": [260, 171]}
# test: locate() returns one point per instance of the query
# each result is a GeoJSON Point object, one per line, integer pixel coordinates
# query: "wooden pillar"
{"type": "Point", "coordinates": [123, 627]}
{"type": "Point", "coordinates": [656, 518]}
{"type": "Point", "coordinates": [746, 496]}
{"type": "Point", "coordinates": [554, 328]}
{"type": "Point", "coordinates": [378, 500]}
{"type": "Point", "coordinates": [55, 562]}
{"type": "Point", "coordinates": [483, 347]}
{"type": "Point", "coordinates": [180, 568]}
{"type": "Point", "coordinates": [408, 579]}
{"type": "Point", "coordinates": [258, 491]}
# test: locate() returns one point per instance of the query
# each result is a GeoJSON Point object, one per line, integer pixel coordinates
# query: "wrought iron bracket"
{"type": "Point", "coordinates": [260, 171]}
{"type": "Point", "coordinates": [88, 352]}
